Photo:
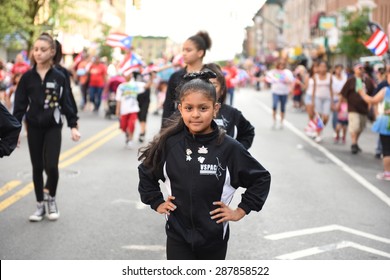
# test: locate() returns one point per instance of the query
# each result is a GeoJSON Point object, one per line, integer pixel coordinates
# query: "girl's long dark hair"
{"type": "Point", "coordinates": [153, 154]}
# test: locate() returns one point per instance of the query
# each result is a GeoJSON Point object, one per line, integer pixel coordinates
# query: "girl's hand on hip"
{"type": "Point", "coordinates": [224, 213]}
{"type": "Point", "coordinates": [167, 206]}
{"type": "Point", "coordinates": [75, 134]}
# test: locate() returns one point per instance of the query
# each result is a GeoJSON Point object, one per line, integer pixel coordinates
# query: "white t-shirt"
{"type": "Point", "coordinates": [280, 81]}
{"type": "Point", "coordinates": [323, 86]}
{"type": "Point", "coordinates": [127, 94]}
{"type": "Point", "coordinates": [310, 87]}
{"type": "Point", "coordinates": [337, 85]}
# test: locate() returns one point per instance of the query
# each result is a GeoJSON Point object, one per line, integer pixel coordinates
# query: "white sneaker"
{"type": "Point", "coordinates": [318, 139]}
{"type": "Point", "coordinates": [39, 214]}
{"type": "Point", "coordinates": [130, 145]}
{"type": "Point", "coordinates": [54, 214]}
{"type": "Point", "coordinates": [45, 196]}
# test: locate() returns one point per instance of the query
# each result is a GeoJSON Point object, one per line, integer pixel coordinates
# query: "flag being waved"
{"type": "Point", "coordinates": [378, 43]}
{"type": "Point", "coordinates": [130, 63]}
{"type": "Point", "coordinates": [119, 40]}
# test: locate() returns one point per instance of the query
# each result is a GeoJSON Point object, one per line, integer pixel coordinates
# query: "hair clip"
{"type": "Point", "coordinates": [203, 75]}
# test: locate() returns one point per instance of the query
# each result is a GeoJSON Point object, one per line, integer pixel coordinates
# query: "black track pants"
{"type": "Point", "coordinates": [45, 146]}
{"type": "Point", "coordinates": [177, 250]}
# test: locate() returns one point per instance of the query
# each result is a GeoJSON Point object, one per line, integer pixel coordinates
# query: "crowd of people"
{"type": "Point", "coordinates": [346, 97]}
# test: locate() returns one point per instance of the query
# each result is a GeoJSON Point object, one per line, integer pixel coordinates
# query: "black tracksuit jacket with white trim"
{"type": "Point", "coordinates": [235, 125]}
{"type": "Point", "coordinates": [40, 98]}
{"type": "Point", "coordinates": [198, 171]}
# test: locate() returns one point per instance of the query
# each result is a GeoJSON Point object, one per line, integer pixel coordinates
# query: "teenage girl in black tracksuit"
{"type": "Point", "coordinates": [228, 117]}
{"type": "Point", "coordinates": [43, 95]}
{"type": "Point", "coordinates": [201, 167]}
{"type": "Point", "coordinates": [194, 50]}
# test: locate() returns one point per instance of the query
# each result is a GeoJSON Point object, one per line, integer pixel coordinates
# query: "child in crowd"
{"type": "Point", "coordinates": [127, 107]}
{"type": "Point", "coordinates": [342, 119]}
{"type": "Point", "coordinates": [202, 168]}
{"type": "Point", "coordinates": [297, 91]}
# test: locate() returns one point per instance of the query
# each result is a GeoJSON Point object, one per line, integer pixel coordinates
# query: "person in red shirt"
{"type": "Point", "coordinates": [230, 75]}
{"type": "Point", "coordinates": [82, 79]}
{"type": "Point", "coordinates": [97, 80]}
{"type": "Point", "coordinates": [20, 65]}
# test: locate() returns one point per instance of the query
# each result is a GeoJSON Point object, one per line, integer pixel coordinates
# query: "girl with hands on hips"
{"type": "Point", "coordinates": [167, 206]}
{"type": "Point", "coordinates": [224, 213]}
{"type": "Point", "coordinates": [201, 168]}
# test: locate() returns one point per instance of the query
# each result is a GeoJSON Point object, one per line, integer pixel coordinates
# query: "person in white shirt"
{"type": "Point", "coordinates": [281, 80]}
{"type": "Point", "coordinates": [339, 78]}
{"type": "Point", "coordinates": [127, 107]}
{"type": "Point", "coordinates": [323, 94]}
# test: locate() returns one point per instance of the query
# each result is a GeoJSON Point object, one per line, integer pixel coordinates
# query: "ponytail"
{"type": "Point", "coordinates": [202, 41]}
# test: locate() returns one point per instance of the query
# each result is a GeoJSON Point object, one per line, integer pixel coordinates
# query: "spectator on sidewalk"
{"type": "Point", "coordinates": [281, 80]}
{"type": "Point", "coordinates": [382, 83]}
{"type": "Point", "coordinates": [97, 81]}
{"type": "Point", "coordinates": [357, 106]}
{"type": "Point", "coordinates": [231, 75]}
{"type": "Point", "coordinates": [382, 123]}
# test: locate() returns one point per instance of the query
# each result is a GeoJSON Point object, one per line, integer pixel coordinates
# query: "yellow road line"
{"type": "Point", "coordinates": [30, 187]}
{"type": "Point", "coordinates": [9, 186]}
{"type": "Point", "coordinates": [15, 197]}
{"type": "Point", "coordinates": [89, 150]}
{"type": "Point", "coordinates": [87, 142]}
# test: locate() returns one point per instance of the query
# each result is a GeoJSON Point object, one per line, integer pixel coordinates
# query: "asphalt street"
{"type": "Point", "coordinates": [324, 203]}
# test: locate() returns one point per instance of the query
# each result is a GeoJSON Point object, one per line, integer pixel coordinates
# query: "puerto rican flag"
{"type": "Point", "coordinates": [119, 40]}
{"type": "Point", "coordinates": [378, 43]}
{"type": "Point", "coordinates": [130, 63]}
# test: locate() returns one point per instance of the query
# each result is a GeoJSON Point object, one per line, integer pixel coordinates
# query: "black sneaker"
{"type": "Point", "coordinates": [141, 138]}
{"type": "Point", "coordinates": [39, 214]}
{"type": "Point", "coordinates": [354, 149]}
{"type": "Point", "coordinates": [54, 214]}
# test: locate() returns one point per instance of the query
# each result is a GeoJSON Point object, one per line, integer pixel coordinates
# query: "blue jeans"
{"type": "Point", "coordinates": [95, 95]}
{"type": "Point", "coordinates": [334, 117]}
{"type": "Point", "coordinates": [230, 92]}
{"type": "Point", "coordinates": [275, 100]}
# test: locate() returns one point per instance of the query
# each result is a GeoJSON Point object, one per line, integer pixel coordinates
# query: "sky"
{"type": "Point", "coordinates": [224, 20]}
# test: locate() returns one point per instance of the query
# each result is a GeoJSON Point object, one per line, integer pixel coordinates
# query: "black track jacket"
{"type": "Point", "coordinates": [44, 100]}
{"type": "Point", "coordinates": [198, 171]}
{"type": "Point", "coordinates": [236, 125]}
{"type": "Point", "coordinates": [9, 132]}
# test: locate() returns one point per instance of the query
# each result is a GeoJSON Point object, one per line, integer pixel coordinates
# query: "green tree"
{"type": "Point", "coordinates": [28, 18]}
{"type": "Point", "coordinates": [354, 33]}
{"type": "Point", "coordinates": [104, 50]}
